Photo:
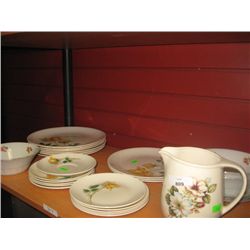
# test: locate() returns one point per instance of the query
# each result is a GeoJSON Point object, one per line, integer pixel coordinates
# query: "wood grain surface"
{"type": "Point", "coordinates": [59, 200]}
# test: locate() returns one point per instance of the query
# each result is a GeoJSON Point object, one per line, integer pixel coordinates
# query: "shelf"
{"type": "Point", "coordinates": [59, 200]}
{"type": "Point", "coordinates": [85, 40]}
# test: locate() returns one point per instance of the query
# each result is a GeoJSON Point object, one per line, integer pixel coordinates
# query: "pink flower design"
{"type": "Point", "coordinates": [4, 149]}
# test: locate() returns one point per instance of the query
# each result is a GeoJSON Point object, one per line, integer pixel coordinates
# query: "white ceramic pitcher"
{"type": "Point", "coordinates": [193, 183]}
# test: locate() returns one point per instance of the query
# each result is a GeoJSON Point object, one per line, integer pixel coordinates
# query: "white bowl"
{"type": "Point", "coordinates": [16, 157]}
{"type": "Point", "coordinates": [233, 179]}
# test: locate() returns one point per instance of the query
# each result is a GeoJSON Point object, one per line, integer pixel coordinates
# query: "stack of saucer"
{"type": "Point", "coordinates": [109, 194]}
{"type": "Point", "coordinates": [61, 171]}
{"type": "Point", "coordinates": [68, 139]}
{"type": "Point", "coordinates": [144, 163]}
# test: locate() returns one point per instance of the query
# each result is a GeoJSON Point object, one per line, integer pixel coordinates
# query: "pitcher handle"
{"type": "Point", "coordinates": [226, 163]}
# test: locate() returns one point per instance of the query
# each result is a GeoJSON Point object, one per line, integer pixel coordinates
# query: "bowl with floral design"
{"type": "Point", "coordinates": [16, 157]}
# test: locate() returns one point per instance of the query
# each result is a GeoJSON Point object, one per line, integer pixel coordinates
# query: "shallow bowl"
{"type": "Point", "coordinates": [16, 157]}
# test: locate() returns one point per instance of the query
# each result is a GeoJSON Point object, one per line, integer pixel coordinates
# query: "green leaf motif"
{"type": "Point", "coordinates": [171, 212]}
{"type": "Point", "coordinates": [212, 188]}
{"type": "Point", "coordinates": [207, 199]}
{"type": "Point", "coordinates": [86, 190]}
{"type": "Point", "coordinates": [167, 197]}
{"type": "Point", "coordinates": [94, 186]}
{"type": "Point", "coordinates": [173, 189]}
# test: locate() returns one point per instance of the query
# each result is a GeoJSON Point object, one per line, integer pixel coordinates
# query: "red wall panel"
{"type": "Point", "coordinates": [196, 82]}
{"type": "Point", "coordinates": [177, 107]}
{"type": "Point", "coordinates": [196, 95]}
{"type": "Point", "coordinates": [166, 95]}
{"type": "Point", "coordinates": [188, 56]}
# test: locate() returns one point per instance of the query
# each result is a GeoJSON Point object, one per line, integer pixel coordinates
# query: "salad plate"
{"type": "Point", "coordinates": [66, 164]}
{"type": "Point", "coordinates": [48, 181]}
{"type": "Point", "coordinates": [38, 175]}
{"type": "Point", "coordinates": [108, 190]}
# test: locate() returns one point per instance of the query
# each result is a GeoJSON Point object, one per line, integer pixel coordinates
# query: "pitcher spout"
{"type": "Point", "coordinates": [169, 152]}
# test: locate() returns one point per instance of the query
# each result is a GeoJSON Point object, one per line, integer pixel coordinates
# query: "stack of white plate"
{"type": "Point", "coordinates": [60, 171]}
{"type": "Point", "coordinates": [68, 139]}
{"type": "Point", "coordinates": [109, 194]}
{"type": "Point", "coordinates": [143, 163]}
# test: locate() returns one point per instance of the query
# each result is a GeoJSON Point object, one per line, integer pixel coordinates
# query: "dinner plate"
{"type": "Point", "coordinates": [66, 164]}
{"type": "Point", "coordinates": [66, 149]}
{"type": "Point", "coordinates": [66, 137]}
{"type": "Point", "coordinates": [140, 162]}
{"type": "Point", "coordinates": [48, 152]}
{"type": "Point", "coordinates": [108, 190]}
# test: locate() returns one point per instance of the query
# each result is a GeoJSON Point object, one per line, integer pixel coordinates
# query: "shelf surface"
{"type": "Point", "coordinates": [59, 200]}
{"type": "Point", "coordinates": [84, 40]}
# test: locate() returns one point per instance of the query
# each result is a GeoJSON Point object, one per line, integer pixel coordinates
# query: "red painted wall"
{"type": "Point", "coordinates": [195, 95]}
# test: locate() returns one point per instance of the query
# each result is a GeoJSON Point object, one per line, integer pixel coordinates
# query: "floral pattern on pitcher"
{"type": "Point", "coordinates": [4, 149]}
{"type": "Point", "coordinates": [185, 200]}
{"type": "Point", "coordinates": [246, 160]}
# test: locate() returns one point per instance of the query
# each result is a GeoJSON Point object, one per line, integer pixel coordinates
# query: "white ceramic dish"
{"type": "Point", "coordinates": [48, 187]}
{"type": "Point", "coordinates": [66, 164]}
{"type": "Point", "coordinates": [233, 180]}
{"type": "Point", "coordinates": [43, 180]}
{"type": "Point", "coordinates": [145, 163]}
{"type": "Point", "coordinates": [16, 157]}
{"type": "Point", "coordinates": [82, 137]}
{"type": "Point", "coordinates": [115, 211]}
{"type": "Point", "coordinates": [47, 152]}
{"type": "Point", "coordinates": [41, 176]}
{"type": "Point", "coordinates": [108, 190]}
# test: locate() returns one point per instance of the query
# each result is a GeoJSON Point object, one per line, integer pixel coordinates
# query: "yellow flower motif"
{"type": "Point", "coordinates": [29, 149]}
{"type": "Point", "coordinates": [53, 160]}
{"type": "Point", "coordinates": [143, 170]}
{"type": "Point", "coordinates": [110, 185]}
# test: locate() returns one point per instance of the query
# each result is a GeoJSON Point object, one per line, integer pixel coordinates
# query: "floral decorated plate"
{"type": "Point", "coordinates": [143, 163]}
{"type": "Point", "coordinates": [66, 164]}
{"type": "Point", "coordinates": [38, 175]}
{"type": "Point", "coordinates": [114, 209]}
{"type": "Point", "coordinates": [112, 212]}
{"type": "Point", "coordinates": [46, 152]}
{"type": "Point", "coordinates": [67, 137]}
{"type": "Point", "coordinates": [108, 190]}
